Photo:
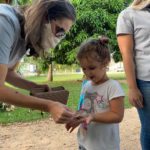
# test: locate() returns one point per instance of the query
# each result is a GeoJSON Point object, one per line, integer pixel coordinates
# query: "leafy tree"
{"type": "Point", "coordinates": [42, 64]}
{"type": "Point", "coordinates": [94, 18]}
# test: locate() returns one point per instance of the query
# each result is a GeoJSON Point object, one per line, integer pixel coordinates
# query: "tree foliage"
{"type": "Point", "coordinates": [21, 2]}
{"type": "Point", "coordinates": [42, 63]}
{"type": "Point", "coordinates": [94, 18]}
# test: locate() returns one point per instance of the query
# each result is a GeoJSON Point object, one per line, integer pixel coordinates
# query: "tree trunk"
{"type": "Point", "coordinates": [50, 73]}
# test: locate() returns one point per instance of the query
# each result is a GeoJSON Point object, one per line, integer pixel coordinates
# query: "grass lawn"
{"type": "Point", "coordinates": [70, 82]}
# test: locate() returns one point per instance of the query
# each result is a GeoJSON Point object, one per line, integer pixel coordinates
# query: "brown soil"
{"type": "Point", "coordinates": [46, 135]}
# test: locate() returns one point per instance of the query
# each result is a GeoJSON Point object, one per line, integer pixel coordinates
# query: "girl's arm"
{"type": "Point", "coordinates": [59, 112]}
{"type": "Point", "coordinates": [126, 45]}
{"type": "Point", "coordinates": [115, 114]}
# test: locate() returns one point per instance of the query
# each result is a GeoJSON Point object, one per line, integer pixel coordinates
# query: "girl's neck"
{"type": "Point", "coordinates": [101, 81]}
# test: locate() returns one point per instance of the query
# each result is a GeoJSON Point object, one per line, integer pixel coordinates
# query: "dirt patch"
{"type": "Point", "coordinates": [46, 135]}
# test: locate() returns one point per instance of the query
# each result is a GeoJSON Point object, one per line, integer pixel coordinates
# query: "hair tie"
{"type": "Point", "coordinates": [103, 40]}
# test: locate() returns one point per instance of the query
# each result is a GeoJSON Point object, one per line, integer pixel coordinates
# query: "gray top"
{"type": "Point", "coordinates": [137, 23]}
{"type": "Point", "coordinates": [12, 46]}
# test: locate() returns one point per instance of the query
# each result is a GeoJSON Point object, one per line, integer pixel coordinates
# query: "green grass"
{"type": "Point", "coordinates": [116, 75]}
{"type": "Point", "coordinates": [21, 115]}
{"type": "Point", "coordinates": [69, 82]}
{"type": "Point", "coordinates": [64, 77]}
{"type": "Point", "coordinates": [126, 102]}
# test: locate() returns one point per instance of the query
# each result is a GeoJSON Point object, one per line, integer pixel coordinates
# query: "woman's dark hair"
{"type": "Point", "coordinates": [61, 9]}
{"type": "Point", "coordinates": [41, 11]}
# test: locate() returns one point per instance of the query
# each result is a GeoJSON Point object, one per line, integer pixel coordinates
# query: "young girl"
{"type": "Point", "coordinates": [103, 106]}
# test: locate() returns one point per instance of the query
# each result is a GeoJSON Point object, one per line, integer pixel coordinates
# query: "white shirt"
{"type": "Point", "coordinates": [100, 136]}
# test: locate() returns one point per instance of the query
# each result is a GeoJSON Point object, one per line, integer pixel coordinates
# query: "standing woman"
{"type": "Point", "coordinates": [133, 34]}
{"type": "Point", "coordinates": [36, 28]}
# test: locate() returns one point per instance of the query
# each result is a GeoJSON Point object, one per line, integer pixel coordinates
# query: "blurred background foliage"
{"type": "Point", "coordinates": [94, 18]}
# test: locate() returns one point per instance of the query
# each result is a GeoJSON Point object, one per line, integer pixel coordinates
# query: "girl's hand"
{"type": "Point", "coordinates": [60, 113]}
{"type": "Point", "coordinates": [89, 119]}
{"type": "Point", "coordinates": [135, 98]}
{"type": "Point", "coordinates": [74, 122]}
{"type": "Point", "coordinates": [80, 117]}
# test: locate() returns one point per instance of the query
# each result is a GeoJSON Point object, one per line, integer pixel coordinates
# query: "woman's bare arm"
{"type": "Point", "coordinates": [59, 112]}
{"type": "Point", "coordinates": [126, 45]}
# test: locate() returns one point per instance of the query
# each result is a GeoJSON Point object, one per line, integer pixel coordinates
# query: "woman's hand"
{"type": "Point", "coordinates": [60, 113]}
{"type": "Point", "coordinates": [135, 98]}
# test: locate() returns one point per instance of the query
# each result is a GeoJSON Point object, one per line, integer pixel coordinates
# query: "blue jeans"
{"type": "Point", "coordinates": [144, 114]}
